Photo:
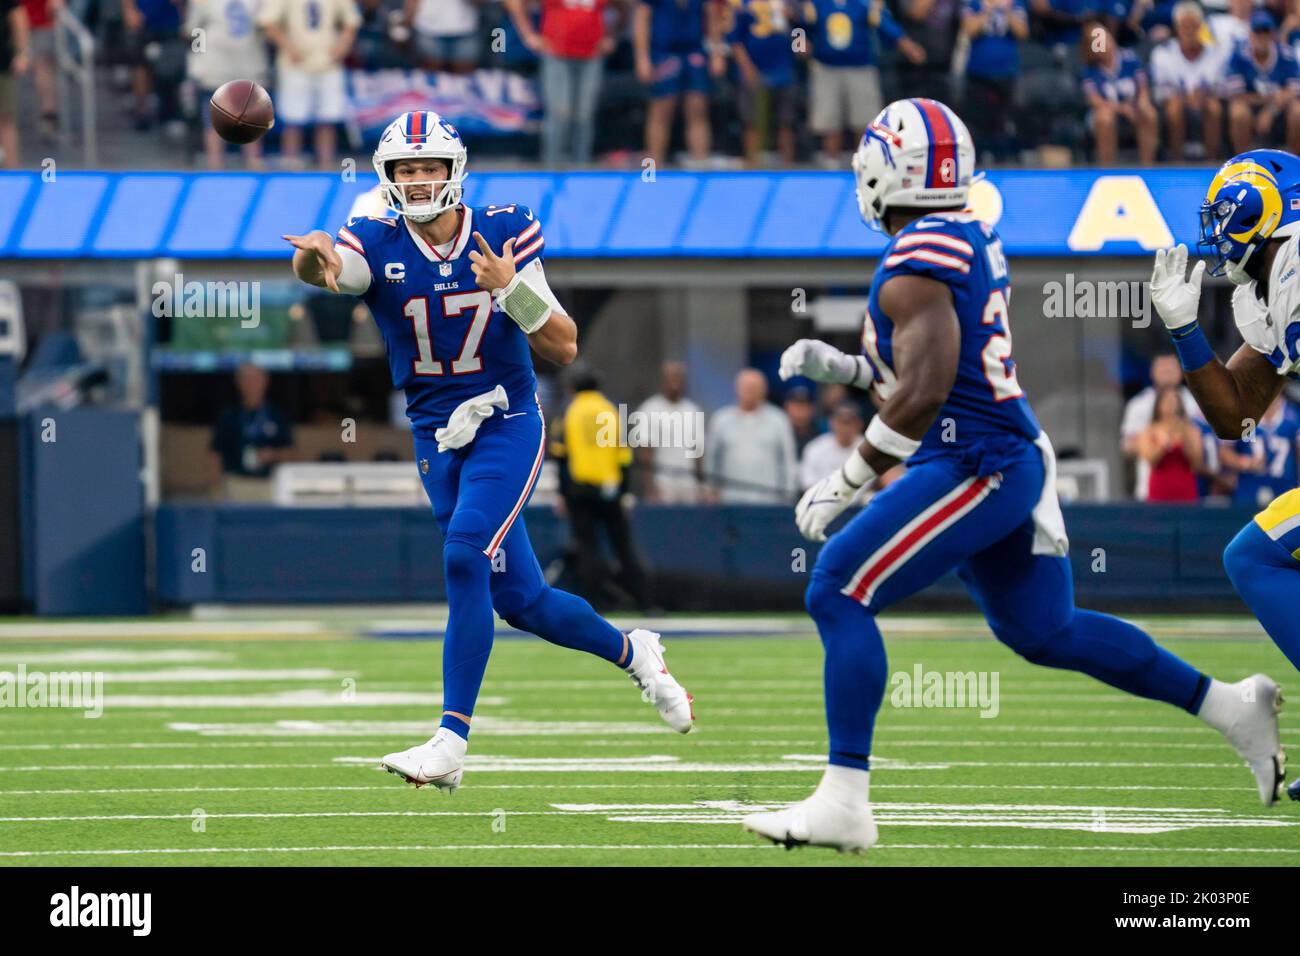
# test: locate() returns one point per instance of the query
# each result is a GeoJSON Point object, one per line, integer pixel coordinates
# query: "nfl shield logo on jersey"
{"type": "Point", "coordinates": [424, 466]}
{"type": "Point", "coordinates": [444, 269]}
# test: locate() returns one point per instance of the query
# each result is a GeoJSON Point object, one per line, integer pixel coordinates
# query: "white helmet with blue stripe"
{"type": "Point", "coordinates": [421, 134]}
{"type": "Point", "coordinates": [917, 152]}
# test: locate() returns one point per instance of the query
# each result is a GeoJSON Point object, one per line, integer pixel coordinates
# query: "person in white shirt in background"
{"type": "Point", "coordinates": [1186, 78]}
{"type": "Point", "coordinates": [446, 34]}
{"type": "Point", "coordinates": [1140, 412]}
{"type": "Point", "coordinates": [672, 474]}
{"type": "Point", "coordinates": [312, 38]}
{"type": "Point", "coordinates": [750, 454]}
{"type": "Point", "coordinates": [233, 48]}
{"type": "Point", "coordinates": [1230, 27]}
{"type": "Point", "coordinates": [827, 452]}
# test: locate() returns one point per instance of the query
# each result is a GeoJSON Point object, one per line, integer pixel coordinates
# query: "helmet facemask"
{"type": "Point", "coordinates": [444, 194]}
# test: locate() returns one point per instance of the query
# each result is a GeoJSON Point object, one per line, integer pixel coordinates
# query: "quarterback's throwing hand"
{"type": "Point", "coordinates": [1176, 300]}
{"type": "Point", "coordinates": [822, 503]}
{"type": "Point", "coordinates": [493, 272]}
{"type": "Point", "coordinates": [817, 361]}
{"type": "Point", "coordinates": [320, 244]}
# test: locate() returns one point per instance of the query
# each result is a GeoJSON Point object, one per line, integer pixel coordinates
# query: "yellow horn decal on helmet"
{"type": "Point", "coordinates": [1259, 177]}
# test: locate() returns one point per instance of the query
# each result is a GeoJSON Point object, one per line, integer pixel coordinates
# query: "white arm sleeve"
{"type": "Point", "coordinates": [355, 277]}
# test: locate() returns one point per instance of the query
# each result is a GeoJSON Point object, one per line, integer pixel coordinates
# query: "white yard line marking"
{"type": "Point", "coordinates": [448, 848]}
{"type": "Point", "coordinates": [311, 698]}
{"type": "Point", "coordinates": [483, 724]}
{"type": "Point", "coordinates": [108, 655]}
{"type": "Point", "coordinates": [80, 630]}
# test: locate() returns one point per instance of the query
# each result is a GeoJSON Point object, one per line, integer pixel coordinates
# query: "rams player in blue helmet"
{"type": "Point", "coordinates": [1250, 222]}
{"type": "Point", "coordinates": [460, 297]}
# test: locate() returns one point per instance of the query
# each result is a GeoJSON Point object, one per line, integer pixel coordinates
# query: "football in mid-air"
{"type": "Point", "coordinates": [241, 111]}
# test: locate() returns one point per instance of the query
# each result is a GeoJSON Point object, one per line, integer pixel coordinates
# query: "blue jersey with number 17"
{"type": "Point", "coordinates": [986, 405]}
{"type": "Point", "coordinates": [445, 342]}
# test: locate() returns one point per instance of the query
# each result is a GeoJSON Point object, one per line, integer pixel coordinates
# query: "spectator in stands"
{"type": "Point", "coordinates": [1230, 27]}
{"type": "Point", "coordinates": [996, 29]}
{"type": "Point", "coordinates": [572, 44]}
{"type": "Point", "coordinates": [150, 24]}
{"type": "Point", "coordinates": [669, 42]}
{"type": "Point", "coordinates": [1060, 22]}
{"type": "Point", "coordinates": [844, 80]}
{"type": "Point", "coordinates": [1264, 460]}
{"type": "Point", "coordinates": [934, 26]}
{"type": "Point", "coordinates": [1125, 18]}
{"type": "Point", "coordinates": [250, 438]}
{"type": "Point", "coordinates": [673, 473]}
{"type": "Point", "coordinates": [312, 38]}
{"type": "Point", "coordinates": [1262, 85]}
{"type": "Point", "coordinates": [1187, 81]}
{"type": "Point", "coordinates": [1171, 447]}
{"type": "Point", "coordinates": [593, 482]}
{"type": "Point", "coordinates": [40, 24]}
{"type": "Point", "coordinates": [382, 36]}
{"type": "Point", "coordinates": [233, 48]}
{"type": "Point", "coordinates": [750, 446]}
{"type": "Point", "coordinates": [827, 452]}
{"type": "Point", "coordinates": [446, 34]}
{"type": "Point", "coordinates": [1118, 97]}
{"type": "Point", "coordinates": [14, 59]}
{"type": "Point", "coordinates": [1166, 373]}
{"type": "Point", "coordinates": [764, 55]}
{"type": "Point", "coordinates": [802, 412]}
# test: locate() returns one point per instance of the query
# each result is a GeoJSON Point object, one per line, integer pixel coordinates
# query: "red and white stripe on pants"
{"type": "Point", "coordinates": [916, 534]}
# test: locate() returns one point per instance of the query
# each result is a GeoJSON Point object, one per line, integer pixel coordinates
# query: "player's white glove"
{"type": "Point", "coordinates": [1176, 300]}
{"type": "Point", "coordinates": [822, 503]}
{"type": "Point", "coordinates": [819, 362]}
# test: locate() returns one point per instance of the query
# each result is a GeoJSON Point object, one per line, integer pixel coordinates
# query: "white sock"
{"type": "Point", "coordinates": [1221, 706]}
{"type": "Point", "coordinates": [846, 784]}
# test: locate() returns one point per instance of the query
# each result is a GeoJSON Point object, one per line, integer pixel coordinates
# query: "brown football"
{"type": "Point", "coordinates": [241, 111]}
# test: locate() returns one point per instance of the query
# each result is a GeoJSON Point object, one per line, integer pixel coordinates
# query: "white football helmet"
{"type": "Point", "coordinates": [917, 152]}
{"type": "Point", "coordinates": [421, 135]}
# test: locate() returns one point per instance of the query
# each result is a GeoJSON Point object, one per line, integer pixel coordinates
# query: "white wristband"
{"type": "Point", "coordinates": [885, 439]}
{"type": "Point", "coordinates": [856, 470]}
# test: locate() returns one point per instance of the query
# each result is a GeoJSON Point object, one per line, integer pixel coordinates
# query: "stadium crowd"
{"type": "Point", "coordinates": [756, 81]}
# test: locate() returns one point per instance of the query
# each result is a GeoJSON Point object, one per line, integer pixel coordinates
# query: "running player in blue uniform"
{"type": "Point", "coordinates": [460, 297]}
{"type": "Point", "coordinates": [979, 492]}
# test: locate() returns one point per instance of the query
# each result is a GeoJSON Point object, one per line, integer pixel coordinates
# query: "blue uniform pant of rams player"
{"type": "Point", "coordinates": [478, 494]}
{"type": "Point", "coordinates": [1263, 562]}
{"type": "Point", "coordinates": [942, 514]}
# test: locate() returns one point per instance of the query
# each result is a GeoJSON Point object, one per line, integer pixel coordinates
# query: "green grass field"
{"type": "Point", "coordinates": [243, 742]}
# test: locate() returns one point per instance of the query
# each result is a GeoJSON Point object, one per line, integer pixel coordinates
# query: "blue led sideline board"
{"type": "Point", "coordinates": [587, 215]}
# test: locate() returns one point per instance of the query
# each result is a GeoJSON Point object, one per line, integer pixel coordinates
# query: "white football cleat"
{"type": "Point", "coordinates": [658, 687]}
{"type": "Point", "coordinates": [439, 761]}
{"type": "Point", "coordinates": [820, 820]}
{"type": "Point", "coordinates": [1254, 733]}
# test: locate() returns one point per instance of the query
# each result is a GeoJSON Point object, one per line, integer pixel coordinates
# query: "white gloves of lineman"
{"type": "Point", "coordinates": [1176, 300]}
{"type": "Point", "coordinates": [819, 362]}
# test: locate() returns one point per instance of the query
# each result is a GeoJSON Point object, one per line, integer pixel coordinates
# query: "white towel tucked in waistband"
{"type": "Point", "coordinates": [463, 424]}
{"type": "Point", "coordinates": [1049, 523]}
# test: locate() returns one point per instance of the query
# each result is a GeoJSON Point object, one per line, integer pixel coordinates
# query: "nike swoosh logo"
{"type": "Point", "coordinates": [514, 415]}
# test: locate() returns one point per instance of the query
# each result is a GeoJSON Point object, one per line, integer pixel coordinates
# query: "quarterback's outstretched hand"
{"type": "Point", "coordinates": [822, 503]}
{"type": "Point", "coordinates": [1176, 300]}
{"type": "Point", "coordinates": [819, 362]}
{"type": "Point", "coordinates": [493, 271]}
{"type": "Point", "coordinates": [326, 264]}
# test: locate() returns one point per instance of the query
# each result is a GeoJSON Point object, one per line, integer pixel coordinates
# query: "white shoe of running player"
{"type": "Point", "coordinates": [439, 761]}
{"type": "Point", "coordinates": [658, 687]}
{"type": "Point", "coordinates": [1257, 701]}
{"type": "Point", "coordinates": [821, 820]}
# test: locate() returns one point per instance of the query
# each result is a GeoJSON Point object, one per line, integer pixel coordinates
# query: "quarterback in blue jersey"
{"type": "Point", "coordinates": [460, 298]}
{"type": "Point", "coordinates": [979, 492]}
